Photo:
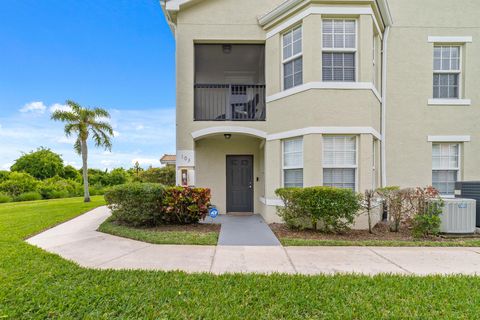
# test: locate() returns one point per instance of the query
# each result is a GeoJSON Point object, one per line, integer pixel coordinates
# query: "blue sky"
{"type": "Point", "coordinates": [116, 54]}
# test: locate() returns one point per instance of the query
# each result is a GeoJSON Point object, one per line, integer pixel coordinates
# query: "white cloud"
{"type": "Point", "coordinates": [138, 127]}
{"type": "Point", "coordinates": [59, 107]}
{"type": "Point", "coordinates": [116, 133]}
{"type": "Point", "coordinates": [67, 140]}
{"type": "Point", "coordinates": [6, 166]}
{"type": "Point", "coordinates": [146, 161]}
{"type": "Point", "coordinates": [35, 106]}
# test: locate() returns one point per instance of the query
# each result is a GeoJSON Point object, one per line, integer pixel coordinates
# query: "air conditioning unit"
{"type": "Point", "coordinates": [459, 216]}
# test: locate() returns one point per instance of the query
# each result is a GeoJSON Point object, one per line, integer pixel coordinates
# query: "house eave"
{"type": "Point", "coordinates": [290, 4]}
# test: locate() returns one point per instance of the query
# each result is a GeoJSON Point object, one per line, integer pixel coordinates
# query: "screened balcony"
{"type": "Point", "coordinates": [229, 82]}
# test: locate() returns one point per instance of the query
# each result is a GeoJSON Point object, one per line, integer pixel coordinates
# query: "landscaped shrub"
{"type": "Point", "coordinates": [4, 175]}
{"type": "Point", "coordinates": [331, 209]}
{"type": "Point", "coordinates": [18, 183]}
{"type": "Point", "coordinates": [185, 205]}
{"type": "Point", "coordinates": [150, 204]}
{"type": "Point", "coordinates": [4, 198]}
{"type": "Point", "coordinates": [41, 164]}
{"type": "Point", "coordinates": [428, 206]}
{"type": "Point", "coordinates": [136, 204]}
{"type": "Point", "coordinates": [57, 187]}
{"type": "Point", "coordinates": [29, 196]}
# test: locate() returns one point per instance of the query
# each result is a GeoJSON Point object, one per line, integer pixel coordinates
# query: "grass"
{"type": "Point", "coordinates": [158, 236]}
{"type": "Point", "coordinates": [38, 285]}
{"type": "Point", "coordinates": [380, 243]}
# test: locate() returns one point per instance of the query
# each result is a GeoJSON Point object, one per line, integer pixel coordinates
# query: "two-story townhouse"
{"type": "Point", "coordinates": [346, 93]}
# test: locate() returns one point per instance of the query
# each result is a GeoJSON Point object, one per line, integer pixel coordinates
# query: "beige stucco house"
{"type": "Point", "coordinates": [347, 93]}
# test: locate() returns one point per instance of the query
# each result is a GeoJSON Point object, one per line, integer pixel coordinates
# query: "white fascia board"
{"type": "Point", "coordinates": [448, 138]}
{"type": "Point", "coordinates": [325, 85]}
{"type": "Point", "coordinates": [328, 10]}
{"type": "Point", "coordinates": [449, 102]}
{"type": "Point", "coordinates": [324, 130]}
{"type": "Point", "coordinates": [230, 129]}
{"type": "Point", "coordinates": [463, 39]}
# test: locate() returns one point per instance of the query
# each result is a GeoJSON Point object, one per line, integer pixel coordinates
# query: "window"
{"type": "Point", "coordinates": [293, 163]}
{"type": "Point", "coordinates": [340, 161]}
{"type": "Point", "coordinates": [292, 58]}
{"type": "Point", "coordinates": [339, 50]}
{"type": "Point", "coordinates": [446, 72]}
{"type": "Point", "coordinates": [446, 167]}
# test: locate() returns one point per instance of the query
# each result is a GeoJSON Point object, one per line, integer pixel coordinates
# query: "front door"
{"type": "Point", "coordinates": [239, 183]}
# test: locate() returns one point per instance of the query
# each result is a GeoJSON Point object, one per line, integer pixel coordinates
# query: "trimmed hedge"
{"type": "Point", "coordinates": [151, 204]}
{"type": "Point", "coordinates": [327, 208]}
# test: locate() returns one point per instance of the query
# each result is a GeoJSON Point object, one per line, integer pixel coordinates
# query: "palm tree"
{"type": "Point", "coordinates": [82, 122]}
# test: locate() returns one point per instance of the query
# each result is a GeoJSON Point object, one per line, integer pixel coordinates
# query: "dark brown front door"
{"type": "Point", "coordinates": [239, 183]}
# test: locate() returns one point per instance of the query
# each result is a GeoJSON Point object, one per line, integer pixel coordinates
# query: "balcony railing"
{"type": "Point", "coordinates": [229, 102]}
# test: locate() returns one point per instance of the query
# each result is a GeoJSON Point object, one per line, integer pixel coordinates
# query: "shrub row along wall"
{"type": "Point", "coordinates": [150, 204]}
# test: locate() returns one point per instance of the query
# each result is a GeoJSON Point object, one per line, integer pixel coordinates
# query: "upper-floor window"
{"type": "Point", "coordinates": [446, 167]}
{"type": "Point", "coordinates": [292, 58]}
{"type": "Point", "coordinates": [339, 50]}
{"type": "Point", "coordinates": [293, 162]}
{"type": "Point", "coordinates": [340, 161]}
{"type": "Point", "coordinates": [446, 72]}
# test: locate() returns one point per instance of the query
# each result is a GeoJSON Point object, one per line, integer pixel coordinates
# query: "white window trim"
{"type": "Point", "coordinates": [449, 102]}
{"type": "Point", "coordinates": [343, 50]}
{"type": "Point", "coordinates": [446, 139]}
{"type": "Point", "coordinates": [461, 39]}
{"type": "Point", "coordinates": [355, 166]}
{"type": "Point", "coordinates": [458, 169]}
{"type": "Point", "coordinates": [458, 72]}
{"type": "Point", "coordinates": [293, 57]}
{"type": "Point", "coordinates": [283, 158]}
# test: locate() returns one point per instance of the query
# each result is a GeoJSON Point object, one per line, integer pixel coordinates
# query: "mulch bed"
{"type": "Point", "coordinates": [380, 232]}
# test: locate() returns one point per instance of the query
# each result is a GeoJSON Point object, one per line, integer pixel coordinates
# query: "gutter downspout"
{"type": "Point", "coordinates": [384, 106]}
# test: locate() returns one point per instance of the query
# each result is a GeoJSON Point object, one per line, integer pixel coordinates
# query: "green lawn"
{"type": "Point", "coordinates": [380, 243]}
{"type": "Point", "coordinates": [160, 237]}
{"type": "Point", "coordinates": [38, 285]}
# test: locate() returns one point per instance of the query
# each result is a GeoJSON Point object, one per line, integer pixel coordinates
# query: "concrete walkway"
{"type": "Point", "coordinates": [78, 241]}
{"type": "Point", "coordinates": [244, 231]}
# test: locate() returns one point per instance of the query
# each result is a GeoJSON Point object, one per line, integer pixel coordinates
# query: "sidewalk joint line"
{"type": "Point", "coordinates": [391, 261]}
{"type": "Point", "coordinates": [213, 258]}
{"type": "Point", "coordinates": [289, 259]}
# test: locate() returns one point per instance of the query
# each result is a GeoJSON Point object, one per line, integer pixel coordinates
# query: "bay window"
{"type": "Point", "coordinates": [292, 58]}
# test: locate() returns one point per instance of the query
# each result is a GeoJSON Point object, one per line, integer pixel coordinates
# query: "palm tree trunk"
{"type": "Point", "coordinates": [84, 150]}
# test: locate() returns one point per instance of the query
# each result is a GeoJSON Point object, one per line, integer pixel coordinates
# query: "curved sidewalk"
{"type": "Point", "coordinates": [78, 240]}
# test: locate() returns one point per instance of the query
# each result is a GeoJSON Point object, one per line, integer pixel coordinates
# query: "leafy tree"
{"type": "Point", "coordinates": [117, 176]}
{"type": "Point", "coordinates": [164, 175]}
{"type": "Point", "coordinates": [72, 173]}
{"type": "Point", "coordinates": [41, 164]}
{"type": "Point", "coordinates": [4, 175]}
{"type": "Point", "coordinates": [83, 122]}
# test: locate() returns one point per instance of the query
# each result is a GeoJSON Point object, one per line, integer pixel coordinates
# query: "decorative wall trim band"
{"type": "Point", "coordinates": [230, 129]}
{"type": "Point", "coordinates": [272, 202]}
{"type": "Point", "coordinates": [327, 10]}
{"type": "Point", "coordinates": [325, 85]}
{"type": "Point", "coordinates": [324, 130]}
{"type": "Point", "coordinates": [448, 138]}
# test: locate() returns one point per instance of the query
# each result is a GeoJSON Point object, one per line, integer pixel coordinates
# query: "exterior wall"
{"type": "Point", "coordinates": [409, 117]}
{"type": "Point", "coordinates": [210, 167]}
{"type": "Point", "coordinates": [409, 86]}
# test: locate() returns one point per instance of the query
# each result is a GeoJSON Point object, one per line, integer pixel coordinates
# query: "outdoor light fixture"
{"type": "Point", "coordinates": [227, 48]}
{"type": "Point", "coordinates": [227, 136]}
